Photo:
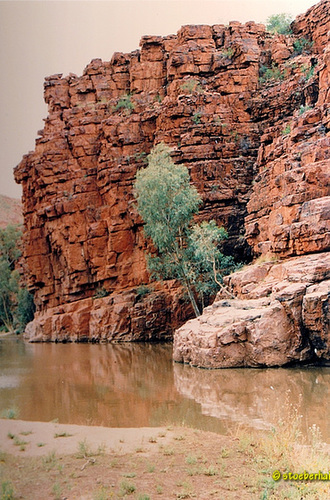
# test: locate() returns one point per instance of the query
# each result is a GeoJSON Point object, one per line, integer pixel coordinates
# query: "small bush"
{"type": "Point", "coordinates": [191, 86]}
{"type": "Point", "coordinates": [197, 117]}
{"type": "Point", "coordinates": [84, 450]}
{"type": "Point", "coordinates": [228, 53]}
{"type": "Point", "coordinates": [286, 131]}
{"type": "Point", "coordinates": [10, 413]}
{"type": "Point", "coordinates": [302, 45]}
{"type": "Point", "coordinates": [279, 23]}
{"type": "Point", "coordinates": [7, 491]}
{"type": "Point", "coordinates": [303, 109]}
{"type": "Point", "coordinates": [142, 290]}
{"type": "Point", "coordinates": [101, 292]}
{"type": "Point", "coordinates": [101, 494]}
{"type": "Point", "coordinates": [191, 460]}
{"type": "Point", "coordinates": [127, 488]}
{"type": "Point", "coordinates": [62, 434]}
{"type": "Point", "coordinates": [125, 103]}
{"type": "Point", "coordinates": [57, 491]}
{"type": "Point", "coordinates": [20, 442]}
{"type": "Point", "coordinates": [268, 74]}
{"type": "Point", "coordinates": [210, 471]}
{"type": "Point", "coordinates": [25, 308]}
{"type": "Point", "coordinates": [50, 461]}
{"type": "Point", "coordinates": [307, 72]}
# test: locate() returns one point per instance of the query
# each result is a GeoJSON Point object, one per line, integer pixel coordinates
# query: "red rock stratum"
{"type": "Point", "coordinates": [247, 112]}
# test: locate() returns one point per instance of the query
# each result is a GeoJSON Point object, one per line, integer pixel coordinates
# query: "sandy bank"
{"type": "Point", "coordinates": [64, 439]}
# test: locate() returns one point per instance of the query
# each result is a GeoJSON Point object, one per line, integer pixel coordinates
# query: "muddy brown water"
{"type": "Point", "coordinates": [137, 385]}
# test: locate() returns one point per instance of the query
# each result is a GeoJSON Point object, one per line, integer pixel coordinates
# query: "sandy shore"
{"type": "Point", "coordinates": [41, 460]}
{"type": "Point", "coordinates": [43, 437]}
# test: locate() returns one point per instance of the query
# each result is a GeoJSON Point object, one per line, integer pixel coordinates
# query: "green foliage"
{"type": "Point", "coordinates": [126, 488]}
{"type": "Point", "coordinates": [125, 103]}
{"type": "Point", "coordinates": [166, 200]}
{"type": "Point", "coordinates": [9, 277]}
{"type": "Point", "coordinates": [208, 263]}
{"type": "Point", "coordinates": [186, 251]}
{"type": "Point", "coordinates": [279, 23]}
{"type": "Point", "coordinates": [302, 45]}
{"type": "Point", "coordinates": [286, 130]}
{"type": "Point", "coordinates": [191, 86]}
{"type": "Point", "coordinates": [101, 292]}
{"type": "Point", "coordinates": [57, 491]}
{"type": "Point", "coordinates": [25, 308]}
{"type": "Point", "coordinates": [228, 53]}
{"type": "Point", "coordinates": [10, 413]}
{"type": "Point", "coordinates": [308, 72]}
{"type": "Point", "coordinates": [269, 74]}
{"type": "Point", "coordinates": [197, 117]}
{"type": "Point", "coordinates": [303, 109]}
{"type": "Point", "coordinates": [16, 304]}
{"type": "Point", "coordinates": [142, 290]}
{"type": "Point", "coordinates": [7, 491]}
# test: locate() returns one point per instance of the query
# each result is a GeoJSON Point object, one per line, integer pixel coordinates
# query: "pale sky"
{"type": "Point", "coordinates": [40, 38]}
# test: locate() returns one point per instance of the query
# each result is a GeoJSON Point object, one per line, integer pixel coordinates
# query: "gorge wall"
{"type": "Point", "coordinates": [242, 109]}
{"type": "Point", "coordinates": [281, 311]}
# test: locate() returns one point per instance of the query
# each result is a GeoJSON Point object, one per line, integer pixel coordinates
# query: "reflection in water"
{"type": "Point", "coordinates": [259, 397]}
{"type": "Point", "coordinates": [136, 385]}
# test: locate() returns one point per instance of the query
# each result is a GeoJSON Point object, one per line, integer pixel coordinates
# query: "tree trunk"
{"type": "Point", "coordinates": [222, 287]}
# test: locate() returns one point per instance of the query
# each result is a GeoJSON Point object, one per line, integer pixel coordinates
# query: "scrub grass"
{"type": "Point", "coordinates": [196, 464]}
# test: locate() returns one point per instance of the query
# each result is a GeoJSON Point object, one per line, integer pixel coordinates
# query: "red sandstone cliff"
{"type": "Point", "coordinates": [254, 158]}
{"type": "Point", "coordinates": [281, 311]}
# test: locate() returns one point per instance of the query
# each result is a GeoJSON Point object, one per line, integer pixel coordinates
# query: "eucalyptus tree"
{"type": "Point", "coordinates": [167, 203]}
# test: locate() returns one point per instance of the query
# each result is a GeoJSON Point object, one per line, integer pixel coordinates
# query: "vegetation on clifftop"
{"type": "Point", "coordinates": [279, 24]}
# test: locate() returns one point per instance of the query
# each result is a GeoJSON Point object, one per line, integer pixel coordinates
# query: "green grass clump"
{"type": "Point", "coordinates": [197, 118]}
{"type": "Point", "coordinates": [191, 86]}
{"type": "Point", "coordinates": [191, 460]}
{"type": "Point", "coordinates": [286, 130]}
{"type": "Point", "coordinates": [270, 74]}
{"type": "Point", "coordinates": [10, 413]}
{"type": "Point", "coordinates": [143, 290]}
{"type": "Point", "coordinates": [84, 450]}
{"type": "Point", "coordinates": [125, 103]}
{"type": "Point", "coordinates": [303, 109]}
{"type": "Point", "coordinates": [228, 53]}
{"type": "Point", "coordinates": [7, 491]}
{"type": "Point", "coordinates": [62, 434]}
{"type": "Point", "coordinates": [126, 488]}
{"type": "Point", "coordinates": [50, 461]}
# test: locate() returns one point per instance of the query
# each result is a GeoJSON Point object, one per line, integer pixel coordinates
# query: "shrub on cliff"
{"type": "Point", "coordinates": [302, 45]}
{"type": "Point", "coordinates": [186, 251]}
{"type": "Point", "coordinates": [16, 304]}
{"type": "Point", "coordinates": [279, 23]}
{"type": "Point", "coordinates": [125, 103]}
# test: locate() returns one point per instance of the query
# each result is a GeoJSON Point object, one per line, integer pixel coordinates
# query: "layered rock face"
{"type": "Point", "coordinates": [198, 91]}
{"type": "Point", "coordinates": [281, 314]}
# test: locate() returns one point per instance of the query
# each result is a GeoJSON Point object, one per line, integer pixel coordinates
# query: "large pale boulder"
{"type": "Point", "coordinates": [287, 323]}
